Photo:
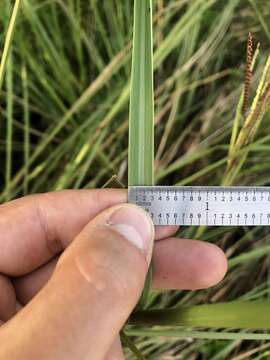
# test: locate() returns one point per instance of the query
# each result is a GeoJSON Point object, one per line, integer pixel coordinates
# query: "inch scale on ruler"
{"type": "Point", "coordinates": [204, 205]}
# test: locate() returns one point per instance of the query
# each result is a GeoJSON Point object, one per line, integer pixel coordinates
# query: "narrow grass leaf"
{"type": "Point", "coordinates": [261, 18]}
{"type": "Point", "coordinates": [26, 127]}
{"type": "Point", "coordinates": [130, 344]}
{"type": "Point", "coordinates": [9, 134]}
{"type": "Point", "coordinates": [180, 333]}
{"type": "Point", "coordinates": [8, 41]}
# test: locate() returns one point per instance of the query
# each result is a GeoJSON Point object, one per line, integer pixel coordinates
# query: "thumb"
{"type": "Point", "coordinates": [96, 284]}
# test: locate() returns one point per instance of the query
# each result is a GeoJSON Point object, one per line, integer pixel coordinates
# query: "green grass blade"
{"type": "Point", "coordinates": [26, 127]}
{"type": "Point", "coordinates": [249, 256]}
{"type": "Point", "coordinates": [8, 41]}
{"type": "Point", "coordinates": [260, 18]}
{"type": "Point", "coordinates": [141, 117]}
{"type": "Point", "coordinates": [9, 134]}
{"type": "Point", "coordinates": [141, 121]}
{"type": "Point", "coordinates": [238, 315]}
{"type": "Point", "coordinates": [128, 343]}
{"type": "Point", "coordinates": [191, 334]}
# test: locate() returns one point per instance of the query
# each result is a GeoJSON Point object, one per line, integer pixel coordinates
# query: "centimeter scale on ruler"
{"type": "Point", "coordinates": [204, 205]}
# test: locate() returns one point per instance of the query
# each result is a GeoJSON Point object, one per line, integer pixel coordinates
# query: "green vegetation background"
{"type": "Point", "coordinates": [64, 122]}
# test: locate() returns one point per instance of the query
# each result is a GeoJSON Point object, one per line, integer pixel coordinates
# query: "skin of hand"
{"type": "Point", "coordinates": [72, 268]}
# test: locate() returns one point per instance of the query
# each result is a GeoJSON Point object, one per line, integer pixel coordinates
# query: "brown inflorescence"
{"type": "Point", "coordinates": [248, 73]}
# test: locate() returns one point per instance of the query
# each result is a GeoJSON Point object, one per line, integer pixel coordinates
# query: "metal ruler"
{"type": "Point", "coordinates": [204, 205]}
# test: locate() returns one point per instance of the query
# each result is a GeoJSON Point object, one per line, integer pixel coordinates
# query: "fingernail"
{"type": "Point", "coordinates": [136, 226]}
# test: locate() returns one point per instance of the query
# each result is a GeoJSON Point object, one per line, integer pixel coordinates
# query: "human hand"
{"type": "Point", "coordinates": [72, 268]}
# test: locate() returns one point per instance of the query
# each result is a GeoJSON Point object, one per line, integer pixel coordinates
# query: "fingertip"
{"type": "Point", "coordinates": [188, 264]}
{"type": "Point", "coordinates": [214, 265]}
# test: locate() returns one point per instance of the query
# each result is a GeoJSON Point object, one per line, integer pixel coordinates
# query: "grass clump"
{"type": "Point", "coordinates": [62, 126]}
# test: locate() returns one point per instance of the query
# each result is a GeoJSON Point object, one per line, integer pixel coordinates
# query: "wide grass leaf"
{"type": "Point", "coordinates": [141, 118]}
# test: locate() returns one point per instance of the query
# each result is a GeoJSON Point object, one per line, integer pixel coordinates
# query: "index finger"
{"type": "Point", "coordinates": [36, 228]}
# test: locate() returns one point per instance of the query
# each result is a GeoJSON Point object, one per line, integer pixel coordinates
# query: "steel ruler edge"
{"type": "Point", "coordinates": [204, 205]}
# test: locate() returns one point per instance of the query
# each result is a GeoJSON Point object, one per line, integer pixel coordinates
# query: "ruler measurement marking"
{"type": "Point", "coordinates": [221, 206]}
